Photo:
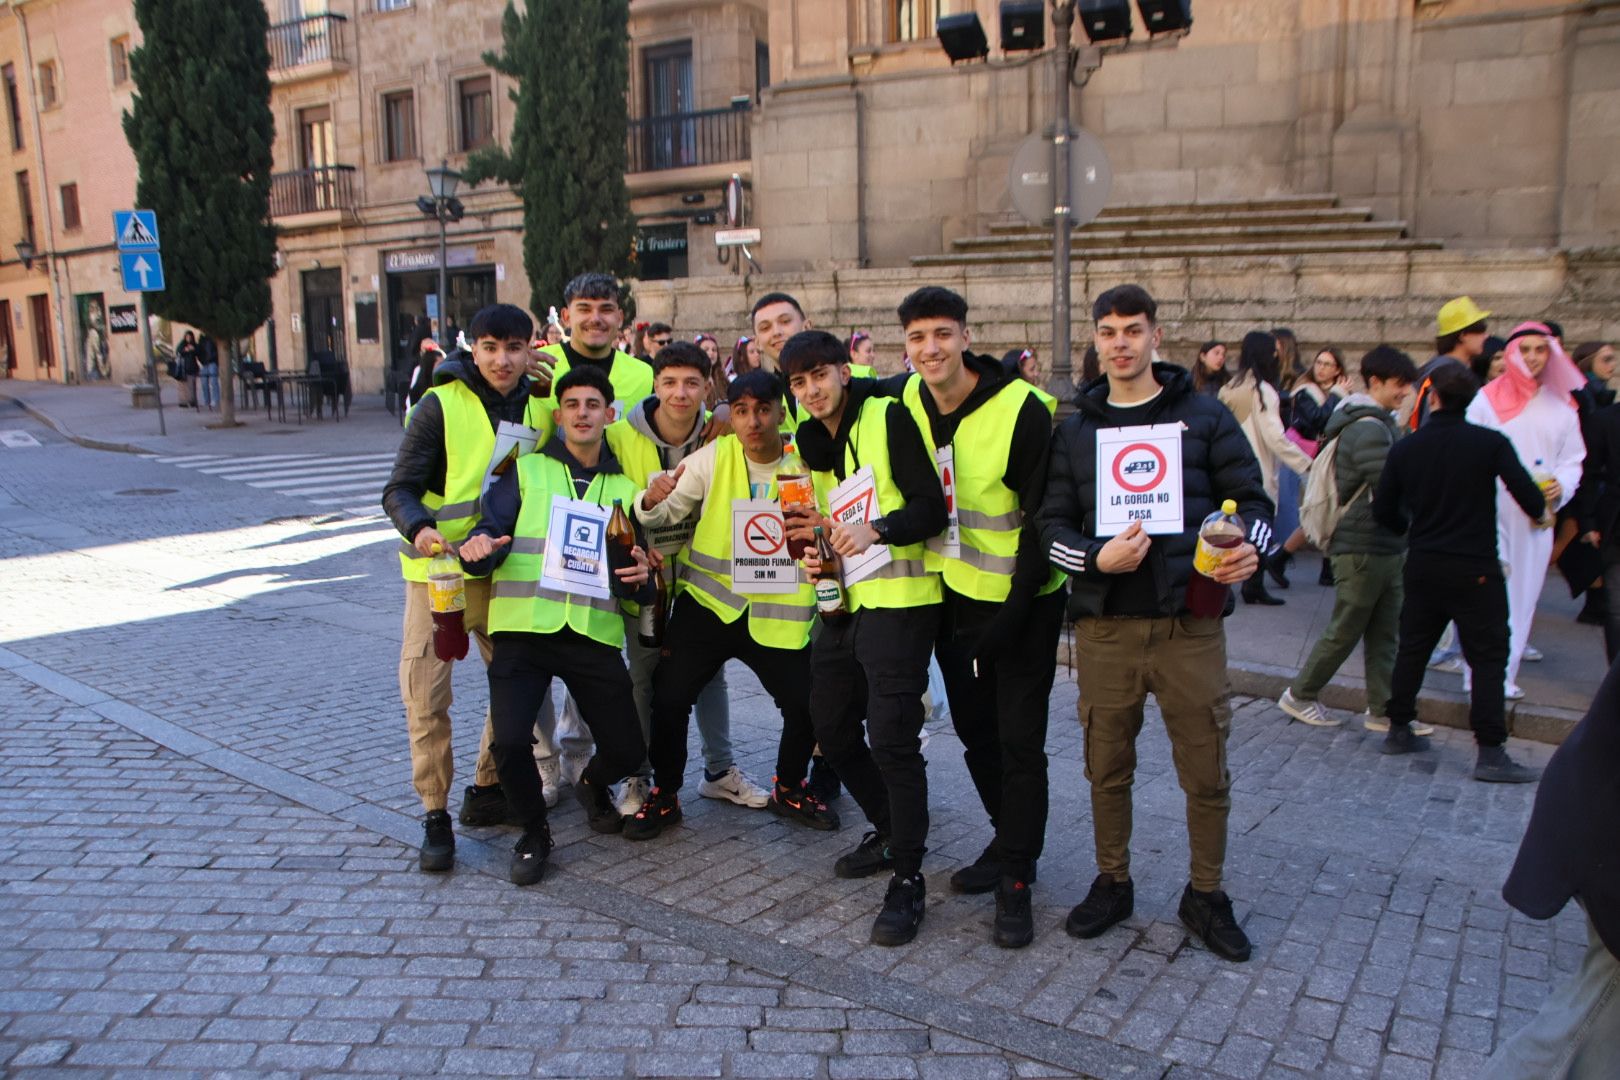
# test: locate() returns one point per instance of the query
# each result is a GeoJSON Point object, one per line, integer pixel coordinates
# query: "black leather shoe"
{"type": "Point", "coordinates": [902, 913]}
{"type": "Point", "coordinates": [1402, 740]}
{"type": "Point", "coordinates": [1209, 916]}
{"type": "Point", "coordinates": [529, 856]}
{"type": "Point", "coordinates": [870, 855]}
{"type": "Point", "coordinates": [1325, 577]}
{"type": "Point", "coordinates": [1015, 925]}
{"type": "Point", "coordinates": [1277, 566]}
{"type": "Point", "coordinates": [438, 852]}
{"type": "Point", "coordinates": [983, 874]}
{"type": "Point", "coordinates": [1107, 903]}
{"type": "Point", "coordinates": [1254, 592]}
{"type": "Point", "coordinates": [486, 806]}
{"type": "Point", "coordinates": [600, 813]}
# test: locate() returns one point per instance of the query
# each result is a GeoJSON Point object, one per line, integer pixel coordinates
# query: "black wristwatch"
{"type": "Point", "coordinates": [881, 527]}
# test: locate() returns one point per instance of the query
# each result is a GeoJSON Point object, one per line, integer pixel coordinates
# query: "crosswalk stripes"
{"type": "Point", "coordinates": [348, 483]}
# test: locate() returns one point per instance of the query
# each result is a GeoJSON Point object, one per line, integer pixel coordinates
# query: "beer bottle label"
{"type": "Point", "coordinates": [829, 596]}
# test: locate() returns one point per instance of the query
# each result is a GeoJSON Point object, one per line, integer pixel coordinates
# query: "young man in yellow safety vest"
{"type": "Point", "coordinates": [555, 611]}
{"type": "Point", "coordinates": [592, 314]}
{"type": "Point", "coordinates": [763, 620]}
{"type": "Point", "coordinates": [880, 499]}
{"type": "Point", "coordinates": [432, 499]}
{"type": "Point", "coordinates": [990, 433]}
{"type": "Point", "coordinates": [652, 442]}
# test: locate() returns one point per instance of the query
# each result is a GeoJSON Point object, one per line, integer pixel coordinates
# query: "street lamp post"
{"type": "Point", "coordinates": [1061, 385]}
{"type": "Point", "coordinates": [445, 207]}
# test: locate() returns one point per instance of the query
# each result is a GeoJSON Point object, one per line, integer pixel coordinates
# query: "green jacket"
{"type": "Point", "coordinates": [1361, 454]}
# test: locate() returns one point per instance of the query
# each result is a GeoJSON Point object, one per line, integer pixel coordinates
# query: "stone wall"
{"type": "Point", "coordinates": [1353, 302]}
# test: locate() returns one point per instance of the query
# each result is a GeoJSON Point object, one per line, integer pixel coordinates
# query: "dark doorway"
{"type": "Point", "coordinates": [408, 294]}
{"type": "Point", "coordinates": [323, 313]}
{"type": "Point", "coordinates": [6, 342]}
{"type": "Point", "coordinates": [39, 313]}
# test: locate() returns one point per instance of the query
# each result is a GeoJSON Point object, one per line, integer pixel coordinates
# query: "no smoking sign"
{"type": "Point", "coordinates": [1139, 479]}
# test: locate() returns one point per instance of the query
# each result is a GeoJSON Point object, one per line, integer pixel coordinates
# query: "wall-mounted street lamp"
{"type": "Point", "coordinates": [27, 252]}
{"type": "Point", "coordinates": [442, 205]}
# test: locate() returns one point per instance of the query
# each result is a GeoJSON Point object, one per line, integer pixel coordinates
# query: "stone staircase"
{"type": "Point", "coordinates": [1279, 225]}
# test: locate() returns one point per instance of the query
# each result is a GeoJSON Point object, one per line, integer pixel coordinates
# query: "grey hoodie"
{"type": "Point", "coordinates": [671, 454]}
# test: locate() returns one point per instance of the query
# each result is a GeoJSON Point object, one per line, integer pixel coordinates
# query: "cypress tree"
{"type": "Point", "coordinates": [202, 131]}
{"type": "Point", "coordinates": [571, 62]}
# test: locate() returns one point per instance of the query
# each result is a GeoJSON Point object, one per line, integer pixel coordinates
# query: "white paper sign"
{"type": "Point", "coordinates": [947, 544]}
{"type": "Point", "coordinates": [1139, 479]}
{"type": "Point", "coordinates": [508, 435]}
{"type": "Point", "coordinates": [760, 563]}
{"type": "Point", "coordinates": [855, 502]}
{"type": "Point", "coordinates": [576, 549]}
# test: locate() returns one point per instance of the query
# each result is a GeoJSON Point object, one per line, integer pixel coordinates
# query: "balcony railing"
{"type": "Point", "coordinates": [311, 40]}
{"type": "Point", "coordinates": [312, 191]}
{"type": "Point", "coordinates": [711, 137]}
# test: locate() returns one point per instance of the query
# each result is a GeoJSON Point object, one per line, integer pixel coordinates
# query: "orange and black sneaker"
{"type": "Point", "coordinates": [661, 810]}
{"type": "Point", "coordinates": [800, 804]}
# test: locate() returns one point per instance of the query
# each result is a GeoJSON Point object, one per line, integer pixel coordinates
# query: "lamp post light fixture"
{"type": "Point", "coordinates": [443, 206]}
{"type": "Point", "coordinates": [26, 253]}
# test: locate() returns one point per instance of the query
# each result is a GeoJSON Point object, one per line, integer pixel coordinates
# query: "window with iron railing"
{"type": "Point", "coordinates": [681, 140]}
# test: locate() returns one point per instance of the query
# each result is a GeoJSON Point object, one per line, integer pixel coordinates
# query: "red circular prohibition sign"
{"type": "Point", "coordinates": [1158, 473]}
{"type": "Point", "coordinates": [769, 528]}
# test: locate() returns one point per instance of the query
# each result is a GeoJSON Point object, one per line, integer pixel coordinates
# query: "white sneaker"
{"type": "Point", "coordinates": [632, 795]}
{"type": "Point", "coordinates": [1452, 665]}
{"type": "Point", "coordinates": [1533, 655]}
{"type": "Point", "coordinates": [733, 786]}
{"type": "Point", "coordinates": [1306, 712]}
{"type": "Point", "coordinates": [550, 780]}
{"type": "Point", "coordinates": [1381, 723]}
{"type": "Point", "coordinates": [1514, 692]}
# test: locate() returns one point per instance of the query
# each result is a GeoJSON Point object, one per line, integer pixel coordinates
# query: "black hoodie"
{"type": "Point", "coordinates": [924, 514]}
{"type": "Point", "coordinates": [1217, 463]}
{"type": "Point", "coordinates": [420, 463]}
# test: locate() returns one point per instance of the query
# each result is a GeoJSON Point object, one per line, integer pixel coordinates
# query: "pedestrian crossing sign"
{"type": "Point", "coordinates": [137, 230]}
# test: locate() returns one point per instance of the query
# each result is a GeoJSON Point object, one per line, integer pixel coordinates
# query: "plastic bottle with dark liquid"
{"type": "Point", "coordinates": [1220, 535]}
{"type": "Point", "coordinates": [447, 600]}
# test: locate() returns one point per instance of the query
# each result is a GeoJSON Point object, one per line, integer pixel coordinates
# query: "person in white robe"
{"type": "Point", "coordinates": [1530, 403]}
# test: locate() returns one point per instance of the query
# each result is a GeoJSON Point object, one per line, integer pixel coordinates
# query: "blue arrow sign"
{"type": "Point", "coordinates": [142, 270]}
{"type": "Point", "coordinates": [136, 230]}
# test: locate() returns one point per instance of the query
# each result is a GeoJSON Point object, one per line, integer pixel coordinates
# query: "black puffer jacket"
{"type": "Point", "coordinates": [1217, 463]}
{"type": "Point", "coordinates": [419, 466]}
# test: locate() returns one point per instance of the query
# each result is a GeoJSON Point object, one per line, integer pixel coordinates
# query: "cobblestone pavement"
{"type": "Point", "coordinates": [211, 866]}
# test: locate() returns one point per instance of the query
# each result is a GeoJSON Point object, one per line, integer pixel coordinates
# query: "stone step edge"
{"type": "Point", "coordinates": [1307, 215]}
{"type": "Point", "coordinates": [1354, 229]}
{"type": "Point", "coordinates": [1224, 251]}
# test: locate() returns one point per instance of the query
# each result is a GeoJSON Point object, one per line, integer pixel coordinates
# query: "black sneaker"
{"type": "Point", "coordinates": [659, 812]}
{"type": "Point", "coordinates": [1324, 577]}
{"type": "Point", "coordinates": [1402, 740]}
{"type": "Point", "coordinates": [1495, 767]}
{"type": "Point", "coordinates": [529, 856]}
{"type": "Point", "coordinates": [801, 805]}
{"type": "Point", "coordinates": [1015, 925]}
{"type": "Point", "coordinates": [902, 912]}
{"type": "Point", "coordinates": [486, 806]}
{"type": "Point", "coordinates": [600, 813]}
{"type": "Point", "coordinates": [438, 852]}
{"type": "Point", "coordinates": [824, 782]}
{"type": "Point", "coordinates": [983, 874]}
{"type": "Point", "coordinates": [870, 855]}
{"type": "Point", "coordinates": [1107, 903]}
{"type": "Point", "coordinates": [1209, 916]}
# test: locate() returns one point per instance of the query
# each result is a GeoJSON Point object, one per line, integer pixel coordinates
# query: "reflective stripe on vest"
{"type": "Point", "coordinates": [991, 522]}
{"type": "Point", "coordinates": [518, 601]}
{"type": "Point", "coordinates": [779, 620]}
{"type": "Point", "coordinates": [907, 581]}
{"type": "Point", "coordinates": [469, 442]}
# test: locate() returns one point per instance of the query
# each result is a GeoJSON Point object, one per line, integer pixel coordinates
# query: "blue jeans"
{"type": "Point", "coordinates": [210, 385]}
{"type": "Point", "coordinates": [1576, 1035]}
{"type": "Point", "coordinates": [1289, 487]}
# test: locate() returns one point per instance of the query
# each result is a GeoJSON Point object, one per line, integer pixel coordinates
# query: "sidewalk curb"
{"type": "Point", "coordinates": [1525, 720]}
{"type": "Point", "coordinates": [61, 429]}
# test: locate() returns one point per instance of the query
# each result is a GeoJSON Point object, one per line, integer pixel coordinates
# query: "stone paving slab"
{"type": "Point", "coordinates": [1369, 885]}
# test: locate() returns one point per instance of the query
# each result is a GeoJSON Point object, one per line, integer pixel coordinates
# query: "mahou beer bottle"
{"type": "Point", "coordinates": [621, 542]}
{"type": "Point", "coordinates": [1218, 538]}
{"type": "Point", "coordinates": [831, 599]}
{"type": "Point", "coordinates": [447, 600]}
{"type": "Point", "coordinates": [650, 626]}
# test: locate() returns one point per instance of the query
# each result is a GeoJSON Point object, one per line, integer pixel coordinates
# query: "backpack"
{"type": "Point", "coordinates": [1320, 511]}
